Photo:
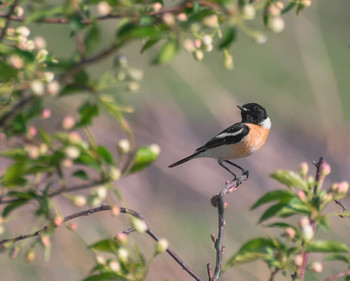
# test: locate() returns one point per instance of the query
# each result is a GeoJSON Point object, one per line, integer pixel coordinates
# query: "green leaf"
{"type": "Point", "coordinates": [148, 44]}
{"type": "Point", "coordinates": [18, 124]}
{"type": "Point", "coordinates": [324, 223]}
{"type": "Point", "coordinates": [290, 179]}
{"type": "Point", "coordinates": [81, 174]}
{"type": "Point", "coordinates": [229, 37]}
{"type": "Point", "coordinates": [87, 160]}
{"type": "Point", "coordinates": [167, 52]}
{"type": "Point", "coordinates": [12, 206]}
{"type": "Point", "coordinates": [87, 113]}
{"type": "Point", "coordinates": [281, 195]}
{"type": "Point", "coordinates": [40, 14]}
{"type": "Point", "coordinates": [199, 15]}
{"type": "Point", "coordinates": [274, 210]}
{"type": "Point", "coordinates": [34, 110]}
{"type": "Point", "coordinates": [144, 157]}
{"type": "Point", "coordinates": [338, 257]}
{"type": "Point", "coordinates": [14, 175]}
{"type": "Point", "coordinates": [326, 247]}
{"type": "Point", "coordinates": [290, 6]}
{"type": "Point", "coordinates": [300, 8]}
{"type": "Point", "coordinates": [252, 250]}
{"type": "Point", "coordinates": [104, 154]}
{"type": "Point", "coordinates": [107, 245]}
{"type": "Point", "coordinates": [282, 225]}
{"type": "Point", "coordinates": [106, 276]}
{"type": "Point", "coordinates": [92, 38]}
{"type": "Point", "coordinates": [7, 72]}
{"type": "Point", "coordinates": [15, 153]}
{"type": "Point", "coordinates": [131, 31]}
{"type": "Point", "coordinates": [45, 137]}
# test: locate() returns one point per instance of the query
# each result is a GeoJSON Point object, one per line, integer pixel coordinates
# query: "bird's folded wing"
{"type": "Point", "coordinates": [233, 134]}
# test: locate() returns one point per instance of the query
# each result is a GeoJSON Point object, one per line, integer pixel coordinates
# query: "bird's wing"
{"type": "Point", "coordinates": [233, 134]}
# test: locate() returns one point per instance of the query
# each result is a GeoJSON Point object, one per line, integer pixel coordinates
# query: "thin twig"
{"type": "Point", "coordinates": [337, 276]}
{"type": "Point", "coordinates": [128, 231]}
{"type": "Point", "coordinates": [219, 202]}
{"type": "Point", "coordinates": [8, 19]}
{"type": "Point", "coordinates": [273, 274]}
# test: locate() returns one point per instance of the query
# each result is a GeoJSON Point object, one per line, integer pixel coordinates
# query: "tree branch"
{"type": "Point", "coordinates": [128, 231]}
{"type": "Point", "coordinates": [8, 19]}
{"type": "Point", "coordinates": [337, 276]}
{"type": "Point", "coordinates": [218, 201]}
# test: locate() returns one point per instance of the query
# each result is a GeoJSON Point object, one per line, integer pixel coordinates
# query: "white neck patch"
{"type": "Point", "coordinates": [266, 123]}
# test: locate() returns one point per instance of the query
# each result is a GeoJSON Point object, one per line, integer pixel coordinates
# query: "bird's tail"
{"type": "Point", "coordinates": [185, 159]}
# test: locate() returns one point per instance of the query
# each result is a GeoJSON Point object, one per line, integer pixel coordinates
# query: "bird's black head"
{"type": "Point", "coordinates": [253, 113]}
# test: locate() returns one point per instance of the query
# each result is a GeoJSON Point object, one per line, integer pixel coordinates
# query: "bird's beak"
{"type": "Point", "coordinates": [242, 108]}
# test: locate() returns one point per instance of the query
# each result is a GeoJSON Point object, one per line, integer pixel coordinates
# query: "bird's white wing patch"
{"type": "Point", "coordinates": [225, 134]}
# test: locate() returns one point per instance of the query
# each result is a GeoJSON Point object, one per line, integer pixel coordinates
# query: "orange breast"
{"type": "Point", "coordinates": [253, 142]}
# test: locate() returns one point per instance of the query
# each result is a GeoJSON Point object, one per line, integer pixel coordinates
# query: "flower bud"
{"type": "Point", "coordinates": [103, 8]}
{"type": "Point", "coordinates": [115, 210]}
{"type": "Point", "coordinates": [121, 238]}
{"type": "Point", "coordinates": [114, 173]}
{"type": "Point", "coordinates": [72, 152]}
{"type": "Point", "coordinates": [157, 6]}
{"type": "Point", "coordinates": [139, 225]}
{"type": "Point", "coordinates": [114, 266]}
{"type": "Point", "coordinates": [249, 12]}
{"type": "Point", "coordinates": [211, 21]}
{"type": "Point", "coordinates": [162, 245]}
{"type": "Point", "coordinates": [343, 187]}
{"type": "Point", "coordinates": [79, 200]}
{"type": "Point", "coordinates": [198, 55]}
{"type": "Point", "coordinates": [182, 17]}
{"type": "Point", "coordinates": [123, 254]}
{"type": "Point", "coordinates": [46, 113]}
{"type": "Point", "coordinates": [39, 42]}
{"type": "Point", "coordinates": [276, 24]}
{"type": "Point", "coordinates": [298, 260]}
{"type": "Point", "coordinates": [45, 240]}
{"type": "Point", "coordinates": [37, 87]}
{"type": "Point", "coordinates": [303, 169]}
{"type": "Point", "coordinates": [58, 221]}
{"type": "Point", "coordinates": [155, 148]}
{"type": "Point", "coordinates": [33, 151]}
{"type": "Point", "coordinates": [168, 19]}
{"type": "Point", "coordinates": [53, 88]}
{"type": "Point", "coordinates": [308, 232]}
{"type": "Point", "coordinates": [188, 45]}
{"type": "Point", "coordinates": [100, 259]}
{"type": "Point", "coordinates": [325, 168]}
{"type": "Point", "coordinates": [67, 163]}
{"type": "Point", "coordinates": [260, 38]}
{"type": "Point", "coordinates": [306, 3]}
{"type": "Point", "coordinates": [290, 232]}
{"type": "Point", "coordinates": [41, 56]}
{"type": "Point", "coordinates": [30, 256]}
{"type": "Point", "coordinates": [14, 252]}
{"type": "Point", "coordinates": [23, 30]}
{"type": "Point", "coordinates": [316, 267]}
{"type": "Point", "coordinates": [73, 226]}
{"type": "Point", "coordinates": [68, 122]}
{"type": "Point", "coordinates": [16, 61]}
{"type": "Point", "coordinates": [93, 200]}
{"type": "Point", "coordinates": [301, 195]}
{"type": "Point", "coordinates": [101, 192]}
{"type": "Point", "coordinates": [123, 146]}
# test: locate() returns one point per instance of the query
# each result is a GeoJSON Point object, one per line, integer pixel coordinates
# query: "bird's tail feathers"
{"type": "Point", "coordinates": [185, 159]}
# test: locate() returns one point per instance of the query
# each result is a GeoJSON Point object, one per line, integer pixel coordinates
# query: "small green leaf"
{"type": "Point", "coordinates": [338, 257]}
{"type": "Point", "coordinates": [7, 72]}
{"type": "Point", "coordinates": [104, 154]}
{"type": "Point", "coordinates": [92, 38]}
{"type": "Point", "coordinates": [131, 31]}
{"type": "Point", "coordinates": [290, 179]}
{"type": "Point", "coordinates": [300, 8]}
{"type": "Point", "coordinates": [281, 195]}
{"type": "Point", "coordinates": [40, 14]}
{"type": "Point", "coordinates": [167, 52]}
{"type": "Point", "coordinates": [229, 37]}
{"type": "Point", "coordinates": [290, 6]}
{"type": "Point", "coordinates": [326, 247]}
{"type": "Point", "coordinates": [87, 113]}
{"type": "Point", "coordinates": [282, 225]}
{"type": "Point", "coordinates": [14, 175]}
{"type": "Point", "coordinates": [12, 206]}
{"type": "Point", "coordinates": [87, 160]}
{"type": "Point", "coordinates": [324, 223]}
{"type": "Point", "coordinates": [252, 250]}
{"type": "Point", "coordinates": [107, 245]}
{"type": "Point", "coordinates": [274, 210]}
{"type": "Point", "coordinates": [144, 157]}
{"type": "Point", "coordinates": [81, 174]}
{"type": "Point", "coordinates": [148, 44]}
{"type": "Point", "coordinates": [15, 153]}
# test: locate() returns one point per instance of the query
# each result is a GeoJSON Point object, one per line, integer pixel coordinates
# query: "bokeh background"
{"type": "Point", "coordinates": [300, 76]}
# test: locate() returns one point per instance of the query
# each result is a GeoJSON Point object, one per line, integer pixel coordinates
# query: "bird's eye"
{"type": "Point", "coordinates": [256, 108]}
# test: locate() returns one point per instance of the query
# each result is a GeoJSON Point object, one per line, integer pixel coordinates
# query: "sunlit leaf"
{"type": "Point", "coordinates": [326, 247]}
{"type": "Point", "coordinates": [105, 155]}
{"type": "Point", "coordinates": [167, 52]}
{"type": "Point", "coordinates": [144, 157]}
{"type": "Point", "coordinates": [14, 175]}
{"type": "Point", "coordinates": [107, 245]}
{"type": "Point", "coordinates": [290, 179]}
{"type": "Point", "coordinates": [281, 195]}
{"type": "Point", "coordinates": [229, 37]}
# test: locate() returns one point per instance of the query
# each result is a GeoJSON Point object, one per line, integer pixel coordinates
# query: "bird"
{"type": "Point", "coordinates": [240, 140]}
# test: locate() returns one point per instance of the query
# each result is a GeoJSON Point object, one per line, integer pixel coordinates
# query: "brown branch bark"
{"type": "Point", "coordinates": [122, 210]}
{"type": "Point", "coordinates": [218, 201]}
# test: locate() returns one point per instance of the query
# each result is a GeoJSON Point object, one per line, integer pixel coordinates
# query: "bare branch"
{"type": "Point", "coordinates": [128, 231]}
{"type": "Point", "coordinates": [218, 201]}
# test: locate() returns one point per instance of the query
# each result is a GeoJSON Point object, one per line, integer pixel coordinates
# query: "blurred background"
{"type": "Point", "coordinates": [300, 76]}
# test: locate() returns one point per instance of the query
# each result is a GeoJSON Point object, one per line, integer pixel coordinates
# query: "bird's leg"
{"type": "Point", "coordinates": [227, 169]}
{"type": "Point", "coordinates": [244, 171]}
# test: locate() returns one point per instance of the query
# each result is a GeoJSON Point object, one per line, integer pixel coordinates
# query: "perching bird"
{"type": "Point", "coordinates": [240, 140]}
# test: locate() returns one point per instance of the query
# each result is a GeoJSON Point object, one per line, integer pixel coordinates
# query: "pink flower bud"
{"type": "Point", "coordinates": [68, 122]}
{"type": "Point", "coordinates": [46, 113]}
{"type": "Point", "coordinates": [290, 232]}
{"type": "Point", "coordinates": [301, 195]}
